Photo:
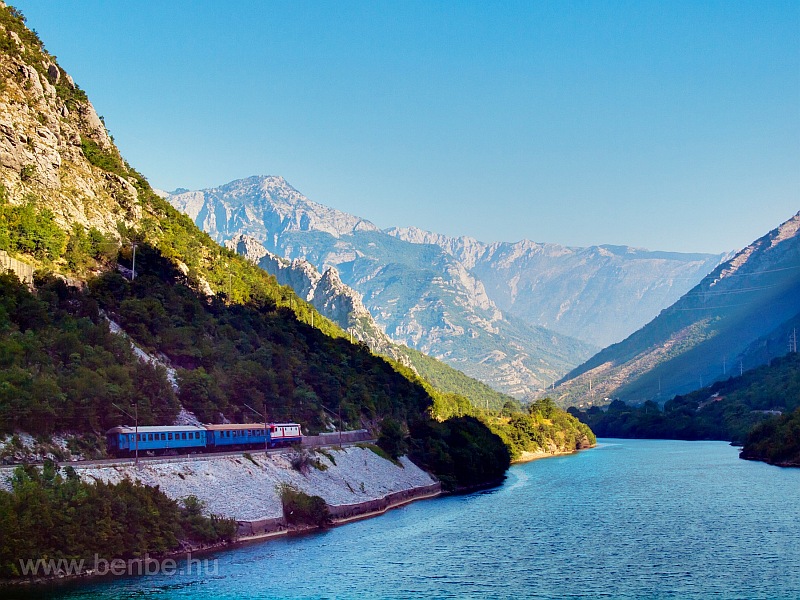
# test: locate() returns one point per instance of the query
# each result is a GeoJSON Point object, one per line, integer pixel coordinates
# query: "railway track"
{"type": "Point", "coordinates": [163, 459]}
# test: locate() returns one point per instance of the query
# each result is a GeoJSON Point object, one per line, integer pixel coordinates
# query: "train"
{"type": "Point", "coordinates": [184, 439]}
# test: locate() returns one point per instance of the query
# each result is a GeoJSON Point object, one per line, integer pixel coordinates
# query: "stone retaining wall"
{"type": "Point", "coordinates": [349, 511]}
{"type": "Point", "coordinates": [343, 512]}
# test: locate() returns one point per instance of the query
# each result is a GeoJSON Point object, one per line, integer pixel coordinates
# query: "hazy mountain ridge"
{"type": "Point", "coordinates": [565, 289]}
{"type": "Point", "coordinates": [418, 294]}
{"type": "Point", "coordinates": [738, 317]}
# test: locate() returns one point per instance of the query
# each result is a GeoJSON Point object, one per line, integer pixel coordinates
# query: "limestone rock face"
{"type": "Point", "coordinates": [44, 118]}
{"type": "Point", "coordinates": [326, 292]}
{"type": "Point", "coordinates": [264, 206]}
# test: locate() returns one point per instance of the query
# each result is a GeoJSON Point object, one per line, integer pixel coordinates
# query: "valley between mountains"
{"type": "Point", "coordinates": [516, 316]}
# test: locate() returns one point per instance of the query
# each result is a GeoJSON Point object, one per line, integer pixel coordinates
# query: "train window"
{"type": "Point", "coordinates": [163, 436]}
{"type": "Point", "coordinates": [183, 435]}
{"type": "Point", "coordinates": [169, 436]}
{"type": "Point", "coordinates": [149, 437]}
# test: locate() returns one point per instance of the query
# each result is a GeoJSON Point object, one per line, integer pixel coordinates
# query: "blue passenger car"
{"type": "Point", "coordinates": [236, 435]}
{"type": "Point", "coordinates": [156, 439]}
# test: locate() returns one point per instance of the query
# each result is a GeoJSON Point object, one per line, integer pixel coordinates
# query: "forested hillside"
{"type": "Point", "coordinates": [727, 410]}
{"type": "Point", "coordinates": [776, 441]}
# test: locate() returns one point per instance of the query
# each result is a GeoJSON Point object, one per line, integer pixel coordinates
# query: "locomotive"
{"type": "Point", "coordinates": [175, 439]}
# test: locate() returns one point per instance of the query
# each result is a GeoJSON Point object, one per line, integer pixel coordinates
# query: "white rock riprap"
{"type": "Point", "coordinates": [233, 486]}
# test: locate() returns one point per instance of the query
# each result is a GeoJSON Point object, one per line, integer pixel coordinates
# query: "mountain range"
{"type": "Point", "coordinates": [515, 316]}
{"type": "Point", "coordinates": [598, 294]}
{"type": "Point", "coordinates": [743, 314]}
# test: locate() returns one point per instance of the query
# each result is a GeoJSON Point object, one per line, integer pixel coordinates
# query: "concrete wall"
{"type": "Point", "coordinates": [360, 435]}
{"type": "Point", "coordinates": [22, 270]}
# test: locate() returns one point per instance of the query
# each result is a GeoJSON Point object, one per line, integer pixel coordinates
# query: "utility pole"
{"type": "Point", "coordinates": [266, 426]}
{"type": "Point", "coordinates": [135, 418]}
{"type": "Point", "coordinates": [133, 265]}
{"type": "Point", "coordinates": [339, 417]}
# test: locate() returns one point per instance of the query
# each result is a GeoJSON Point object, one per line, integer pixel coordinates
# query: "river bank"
{"type": "Point", "coordinates": [355, 483]}
{"type": "Point", "coordinates": [526, 456]}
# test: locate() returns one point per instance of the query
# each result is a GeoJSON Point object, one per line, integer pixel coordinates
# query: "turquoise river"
{"type": "Point", "coordinates": [628, 519]}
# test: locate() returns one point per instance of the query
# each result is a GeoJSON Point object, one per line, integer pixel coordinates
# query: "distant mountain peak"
{"type": "Point", "coordinates": [264, 207]}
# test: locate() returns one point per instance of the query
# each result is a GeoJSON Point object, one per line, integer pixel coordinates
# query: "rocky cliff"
{"type": "Point", "coordinates": [326, 292]}
{"type": "Point", "coordinates": [49, 136]}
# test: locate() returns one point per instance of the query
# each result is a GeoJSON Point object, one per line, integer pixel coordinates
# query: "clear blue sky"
{"type": "Point", "coordinates": [665, 125]}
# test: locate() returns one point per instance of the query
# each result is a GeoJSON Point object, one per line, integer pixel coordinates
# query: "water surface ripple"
{"type": "Point", "coordinates": [628, 519]}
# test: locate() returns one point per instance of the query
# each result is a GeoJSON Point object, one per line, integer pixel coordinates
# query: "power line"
{"type": "Point", "coordinates": [723, 292]}
{"type": "Point", "coordinates": [714, 307]}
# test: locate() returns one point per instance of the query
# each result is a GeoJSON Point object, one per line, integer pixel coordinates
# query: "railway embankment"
{"type": "Point", "coordinates": [354, 481]}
